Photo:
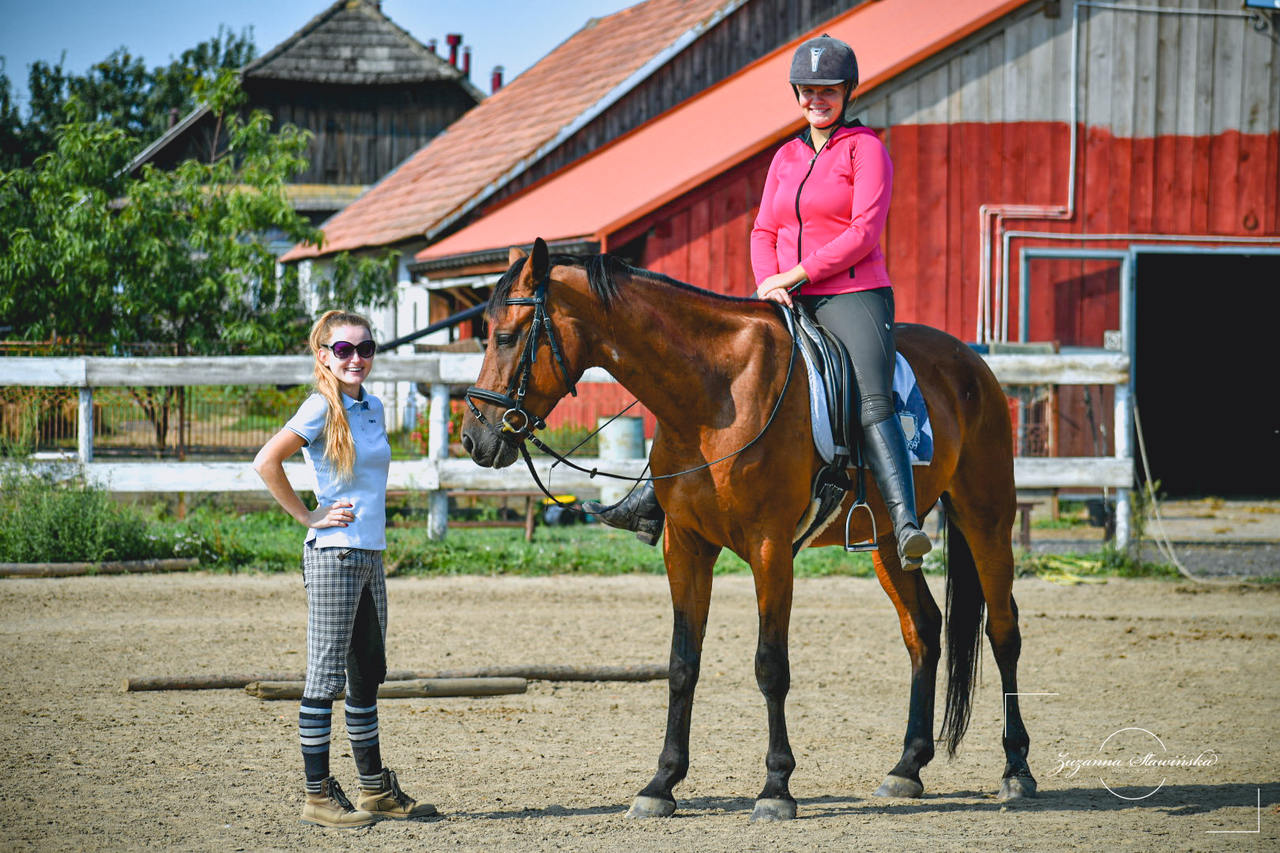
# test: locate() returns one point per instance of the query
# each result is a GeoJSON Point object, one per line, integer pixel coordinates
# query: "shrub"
{"type": "Point", "coordinates": [43, 520]}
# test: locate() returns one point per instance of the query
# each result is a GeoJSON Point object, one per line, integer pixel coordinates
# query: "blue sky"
{"type": "Point", "coordinates": [512, 34]}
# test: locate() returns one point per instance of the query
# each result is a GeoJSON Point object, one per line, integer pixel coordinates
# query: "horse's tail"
{"type": "Point", "coordinates": [965, 606]}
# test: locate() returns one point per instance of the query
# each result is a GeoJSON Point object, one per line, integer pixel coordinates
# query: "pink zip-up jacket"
{"type": "Point", "coordinates": [826, 212]}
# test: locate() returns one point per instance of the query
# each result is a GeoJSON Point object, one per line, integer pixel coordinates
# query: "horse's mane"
{"type": "Point", "coordinates": [607, 275]}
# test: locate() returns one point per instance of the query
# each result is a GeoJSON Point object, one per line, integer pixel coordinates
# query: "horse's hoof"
{"type": "Point", "coordinates": [1017, 788]}
{"type": "Point", "coordinates": [899, 786]}
{"type": "Point", "coordinates": [770, 809]}
{"type": "Point", "coordinates": [643, 806]}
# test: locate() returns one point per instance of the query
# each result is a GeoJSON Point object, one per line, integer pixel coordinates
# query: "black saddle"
{"type": "Point", "coordinates": [833, 407]}
{"type": "Point", "coordinates": [829, 359]}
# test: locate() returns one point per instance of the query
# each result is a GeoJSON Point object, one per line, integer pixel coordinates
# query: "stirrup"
{"type": "Point", "coordinates": [868, 545]}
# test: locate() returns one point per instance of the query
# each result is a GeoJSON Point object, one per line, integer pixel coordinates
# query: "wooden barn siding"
{"type": "Point", "coordinates": [362, 133]}
{"type": "Point", "coordinates": [942, 174]}
{"type": "Point", "coordinates": [751, 31]}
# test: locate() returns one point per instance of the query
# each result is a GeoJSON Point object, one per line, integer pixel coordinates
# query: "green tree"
{"type": "Point", "coordinates": [118, 90]}
{"type": "Point", "coordinates": [11, 127]}
{"type": "Point", "coordinates": [172, 92]}
{"type": "Point", "coordinates": [58, 236]}
{"type": "Point", "coordinates": [90, 254]}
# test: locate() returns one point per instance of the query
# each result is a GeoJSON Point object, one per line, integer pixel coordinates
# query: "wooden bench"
{"type": "Point", "coordinates": [531, 503]}
{"type": "Point", "coordinates": [1027, 501]}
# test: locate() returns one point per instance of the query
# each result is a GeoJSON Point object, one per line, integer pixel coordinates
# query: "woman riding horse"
{"type": "Point", "coordinates": [828, 191]}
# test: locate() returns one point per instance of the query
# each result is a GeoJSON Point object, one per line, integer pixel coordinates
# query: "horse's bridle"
{"type": "Point", "coordinates": [513, 399]}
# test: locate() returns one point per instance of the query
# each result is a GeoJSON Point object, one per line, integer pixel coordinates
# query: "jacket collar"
{"type": "Point", "coordinates": [845, 128]}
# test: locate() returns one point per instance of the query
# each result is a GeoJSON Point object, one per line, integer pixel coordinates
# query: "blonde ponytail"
{"type": "Point", "coordinates": [339, 446]}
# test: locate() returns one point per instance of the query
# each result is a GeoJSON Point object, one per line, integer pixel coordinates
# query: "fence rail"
{"type": "Point", "coordinates": [438, 474]}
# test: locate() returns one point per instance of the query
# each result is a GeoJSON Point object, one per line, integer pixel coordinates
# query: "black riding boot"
{"type": "Point", "coordinates": [638, 511]}
{"type": "Point", "coordinates": [890, 463]}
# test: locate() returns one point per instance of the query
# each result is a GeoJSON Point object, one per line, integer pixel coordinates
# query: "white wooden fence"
{"type": "Point", "coordinates": [438, 474]}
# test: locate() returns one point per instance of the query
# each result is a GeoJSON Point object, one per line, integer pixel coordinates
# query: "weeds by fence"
{"type": "Point", "coordinates": [41, 521]}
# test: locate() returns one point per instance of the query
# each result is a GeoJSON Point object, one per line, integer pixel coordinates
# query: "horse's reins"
{"type": "Point", "coordinates": [529, 422]}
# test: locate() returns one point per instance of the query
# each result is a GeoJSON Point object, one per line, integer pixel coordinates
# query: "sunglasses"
{"type": "Point", "coordinates": [345, 349]}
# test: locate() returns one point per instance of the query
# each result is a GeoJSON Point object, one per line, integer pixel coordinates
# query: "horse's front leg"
{"type": "Point", "coordinates": [774, 584]}
{"type": "Point", "coordinates": [689, 561]}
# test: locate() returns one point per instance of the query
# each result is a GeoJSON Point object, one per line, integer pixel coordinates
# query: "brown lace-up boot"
{"type": "Point", "coordinates": [331, 807]}
{"type": "Point", "coordinates": [390, 801]}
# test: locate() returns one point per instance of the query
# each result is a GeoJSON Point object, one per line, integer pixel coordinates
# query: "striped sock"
{"type": "Point", "coordinates": [362, 729]}
{"type": "Point", "coordinates": [314, 729]}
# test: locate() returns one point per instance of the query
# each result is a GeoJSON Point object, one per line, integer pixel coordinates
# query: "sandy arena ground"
{"type": "Point", "coordinates": [92, 768]}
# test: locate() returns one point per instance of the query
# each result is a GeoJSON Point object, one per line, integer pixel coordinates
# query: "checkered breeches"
{"type": "Point", "coordinates": [335, 579]}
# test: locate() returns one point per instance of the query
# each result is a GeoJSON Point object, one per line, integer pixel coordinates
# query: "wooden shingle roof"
{"type": "Point", "coordinates": [513, 127]}
{"type": "Point", "coordinates": [353, 43]}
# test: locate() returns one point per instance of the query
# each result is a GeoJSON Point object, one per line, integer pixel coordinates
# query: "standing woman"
{"type": "Point", "coordinates": [824, 206]}
{"type": "Point", "coordinates": [341, 433]}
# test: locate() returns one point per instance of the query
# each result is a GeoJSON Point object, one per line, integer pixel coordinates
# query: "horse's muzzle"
{"type": "Point", "coordinates": [486, 448]}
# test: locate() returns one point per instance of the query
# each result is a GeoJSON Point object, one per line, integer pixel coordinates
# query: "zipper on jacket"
{"type": "Point", "coordinates": [799, 220]}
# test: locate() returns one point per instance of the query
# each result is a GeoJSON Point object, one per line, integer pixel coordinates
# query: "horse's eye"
{"type": "Point", "coordinates": [503, 339]}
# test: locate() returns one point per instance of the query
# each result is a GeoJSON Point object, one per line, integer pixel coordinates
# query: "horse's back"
{"type": "Point", "coordinates": [948, 368]}
{"type": "Point", "coordinates": [968, 410]}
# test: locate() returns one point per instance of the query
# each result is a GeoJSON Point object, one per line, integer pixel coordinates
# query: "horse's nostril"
{"type": "Point", "coordinates": [467, 443]}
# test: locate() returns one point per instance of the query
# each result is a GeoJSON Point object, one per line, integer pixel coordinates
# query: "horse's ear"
{"type": "Point", "coordinates": [539, 259]}
{"type": "Point", "coordinates": [514, 255]}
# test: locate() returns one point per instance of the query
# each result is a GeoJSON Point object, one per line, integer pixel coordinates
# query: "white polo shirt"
{"type": "Point", "coordinates": [367, 489]}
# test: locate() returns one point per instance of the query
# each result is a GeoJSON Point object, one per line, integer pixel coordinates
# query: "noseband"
{"type": "Point", "coordinates": [517, 422]}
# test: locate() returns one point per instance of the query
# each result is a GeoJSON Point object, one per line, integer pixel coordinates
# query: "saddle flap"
{"type": "Point", "coordinates": [835, 367]}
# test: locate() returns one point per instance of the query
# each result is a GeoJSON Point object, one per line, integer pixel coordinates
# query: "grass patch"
{"type": "Point", "coordinates": [577, 549]}
{"type": "Point", "coordinates": [46, 521]}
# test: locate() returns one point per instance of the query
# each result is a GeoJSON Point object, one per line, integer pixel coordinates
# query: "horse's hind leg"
{"type": "Point", "coordinates": [689, 563]}
{"type": "Point", "coordinates": [921, 624]}
{"type": "Point", "coordinates": [990, 545]}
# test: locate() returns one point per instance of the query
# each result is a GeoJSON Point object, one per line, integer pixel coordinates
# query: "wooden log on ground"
{"type": "Point", "coordinates": [415, 689]}
{"type": "Point", "coordinates": [62, 570]}
{"type": "Point", "coordinates": [641, 672]}
{"type": "Point", "coordinates": [551, 672]}
{"type": "Point", "coordinates": [204, 682]}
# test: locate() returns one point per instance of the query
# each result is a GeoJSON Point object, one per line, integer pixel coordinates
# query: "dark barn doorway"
{"type": "Point", "coordinates": [1207, 371]}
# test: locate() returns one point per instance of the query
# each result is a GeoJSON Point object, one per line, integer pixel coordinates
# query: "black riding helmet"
{"type": "Point", "coordinates": [824, 61]}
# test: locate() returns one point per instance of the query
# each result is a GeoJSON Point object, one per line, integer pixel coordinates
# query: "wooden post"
{"type": "Point", "coordinates": [438, 448]}
{"type": "Point", "coordinates": [1124, 450]}
{"type": "Point", "coordinates": [84, 426]}
{"type": "Point", "coordinates": [530, 516]}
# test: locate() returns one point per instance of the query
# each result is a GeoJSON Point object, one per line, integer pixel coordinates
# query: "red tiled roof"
{"type": "Point", "coordinates": [498, 136]}
{"type": "Point", "coordinates": [677, 151]}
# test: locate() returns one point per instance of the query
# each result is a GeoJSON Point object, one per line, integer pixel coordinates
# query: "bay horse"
{"type": "Point", "coordinates": [716, 371]}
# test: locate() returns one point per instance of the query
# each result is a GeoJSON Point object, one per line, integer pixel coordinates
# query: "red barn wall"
{"type": "Point", "coordinates": [1178, 134]}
